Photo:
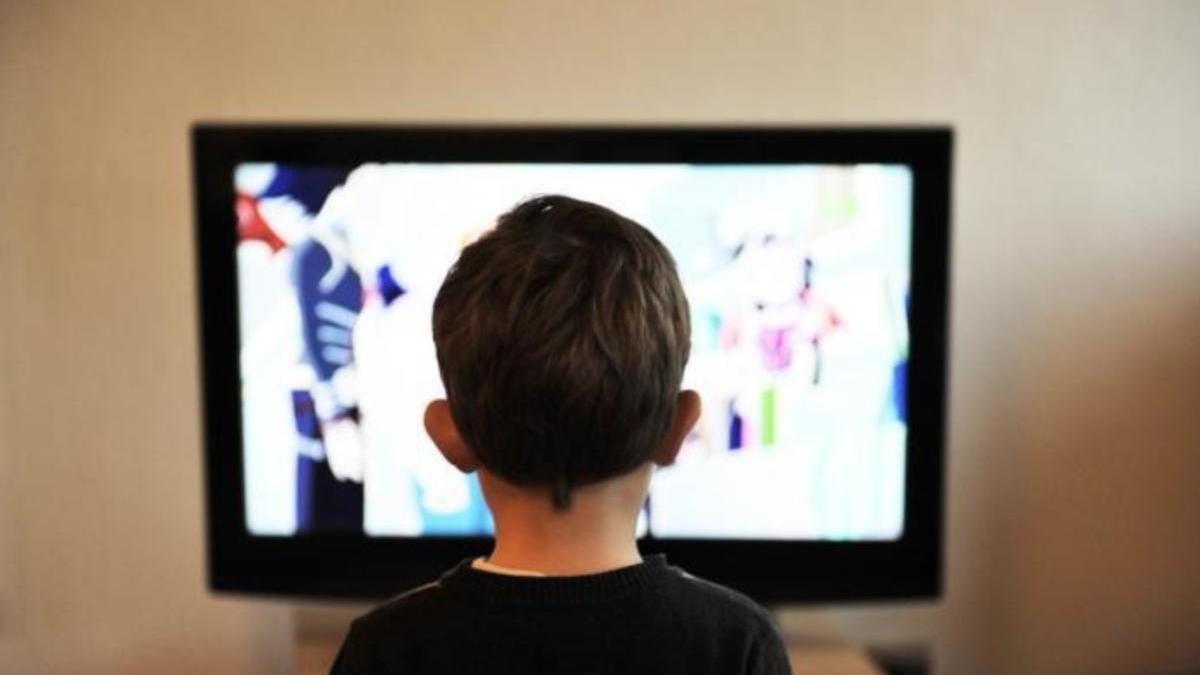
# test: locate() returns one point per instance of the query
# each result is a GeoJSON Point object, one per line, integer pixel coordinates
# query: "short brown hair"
{"type": "Point", "coordinates": [561, 337]}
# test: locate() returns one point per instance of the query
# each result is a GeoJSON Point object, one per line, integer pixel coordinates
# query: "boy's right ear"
{"type": "Point", "coordinates": [439, 424]}
{"type": "Point", "coordinates": [687, 412]}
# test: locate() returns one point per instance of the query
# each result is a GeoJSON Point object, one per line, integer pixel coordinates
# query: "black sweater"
{"type": "Point", "coordinates": [647, 618]}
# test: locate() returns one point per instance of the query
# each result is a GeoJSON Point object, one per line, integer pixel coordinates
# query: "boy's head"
{"type": "Point", "coordinates": [561, 336]}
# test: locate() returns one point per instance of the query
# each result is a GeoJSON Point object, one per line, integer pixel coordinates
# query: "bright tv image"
{"type": "Point", "coordinates": [798, 281]}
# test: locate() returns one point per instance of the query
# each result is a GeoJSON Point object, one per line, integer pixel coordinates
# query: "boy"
{"type": "Point", "coordinates": [561, 338]}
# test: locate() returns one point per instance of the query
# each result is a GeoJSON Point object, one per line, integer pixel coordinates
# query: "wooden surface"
{"type": "Point", "coordinates": [831, 660]}
{"type": "Point", "coordinates": [314, 656]}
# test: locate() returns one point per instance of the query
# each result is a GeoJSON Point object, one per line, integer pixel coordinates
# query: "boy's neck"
{"type": "Point", "coordinates": [596, 534]}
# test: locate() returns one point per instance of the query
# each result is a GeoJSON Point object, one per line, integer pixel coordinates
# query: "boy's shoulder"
{"type": "Point", "coordinates": [723, 601]}
{"type": "Point", "coordinates": [409, 610]}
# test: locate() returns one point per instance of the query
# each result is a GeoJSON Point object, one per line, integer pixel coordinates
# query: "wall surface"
{"type": "Point", "coordinates": [1074, 523]}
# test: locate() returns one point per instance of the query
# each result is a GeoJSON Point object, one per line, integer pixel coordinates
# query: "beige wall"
{"type": "Point", "coordinates": [1075, 389]}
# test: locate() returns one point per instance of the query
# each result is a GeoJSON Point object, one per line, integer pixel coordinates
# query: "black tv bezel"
{"type": "Point", "coordinates": [771, 571]}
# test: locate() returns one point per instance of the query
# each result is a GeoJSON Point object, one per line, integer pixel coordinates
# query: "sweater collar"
{"type": "Point", "coordinates": [488, 587]}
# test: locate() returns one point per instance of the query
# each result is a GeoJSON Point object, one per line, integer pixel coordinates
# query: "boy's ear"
{"type": "Point", "coordinates": [687, 411]}
{"type": "Point", "coordinates": [444, 434]}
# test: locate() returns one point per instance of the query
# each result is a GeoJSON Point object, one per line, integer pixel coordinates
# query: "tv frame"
{"type": "Point", "coordinates": [773, 572]}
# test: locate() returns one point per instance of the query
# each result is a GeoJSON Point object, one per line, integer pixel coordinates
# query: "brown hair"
{"type": "Point", "coordinates": [561, 337]}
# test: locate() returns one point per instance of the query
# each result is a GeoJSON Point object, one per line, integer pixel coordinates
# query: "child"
{"type": "Point", "coordinates": [561, 338]}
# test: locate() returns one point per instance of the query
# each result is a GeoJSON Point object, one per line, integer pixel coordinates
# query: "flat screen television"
{"type": "Point", "coordinates": [815, 262]}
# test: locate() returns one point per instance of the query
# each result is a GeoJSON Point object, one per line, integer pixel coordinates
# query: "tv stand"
{"type": "Point", "coordinates": [831, 659]}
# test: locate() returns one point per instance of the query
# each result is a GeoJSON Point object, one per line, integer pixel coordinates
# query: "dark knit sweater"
{"type": "Point", "coordinates": [647, 618]}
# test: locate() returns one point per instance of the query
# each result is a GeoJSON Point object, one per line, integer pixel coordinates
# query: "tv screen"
{"type": "Point", "coordinates": [814, 264]}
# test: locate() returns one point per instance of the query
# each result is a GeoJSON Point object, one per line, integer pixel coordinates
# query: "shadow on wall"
{"type": "Point", "coordinates": [1096, 550]}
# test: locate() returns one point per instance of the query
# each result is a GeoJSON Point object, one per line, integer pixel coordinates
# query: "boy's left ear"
{"type": "Point", "coordinates": [687, 411]}
{"type": "Point", "coordinates": [439, 424]}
